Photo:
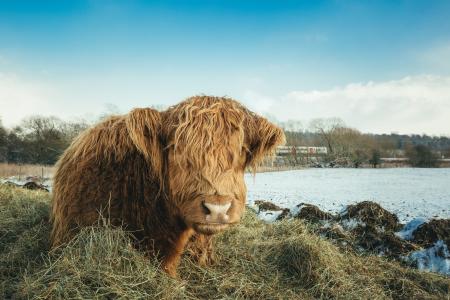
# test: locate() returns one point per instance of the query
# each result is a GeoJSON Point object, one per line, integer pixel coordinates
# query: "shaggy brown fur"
{"type": "Point", "coordinates": [155, 173]}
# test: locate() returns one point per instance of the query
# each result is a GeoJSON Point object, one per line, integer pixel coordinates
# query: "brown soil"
{"type": "Point", "coordinates": [312, 213]}
{"type": "Point", "coordinates": [372, 214]}
{"type": "Point", "coordinates": [429, 233]}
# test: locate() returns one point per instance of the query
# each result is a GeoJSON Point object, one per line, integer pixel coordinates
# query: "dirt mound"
{"type": "Point", "coordinates": [266, 205]}
{"type": "Point", "coordinates": [382, 242]}
{"type": "Point", "coordinates": [31, 185]}
{"type": "Point", "coordinates": [364, 226]}
{"type": "Point", "coordinates": [312, 213]}
{"type": "Point", "coordinates": [363, 240]}
{"type": "Point", "coordinates": [429, 233]}
{"type": "Point", "coordinates": [372, 214]}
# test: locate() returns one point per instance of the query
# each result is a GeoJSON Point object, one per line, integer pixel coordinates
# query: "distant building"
{"type": "Point", "coordinates": [286, 150]}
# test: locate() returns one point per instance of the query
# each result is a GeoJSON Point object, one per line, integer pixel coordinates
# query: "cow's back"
{"type": "Point", "coordinates": [102, 175]}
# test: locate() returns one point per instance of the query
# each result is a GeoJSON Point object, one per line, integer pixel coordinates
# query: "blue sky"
{"type": "Point", "coordinates": [290, 59]}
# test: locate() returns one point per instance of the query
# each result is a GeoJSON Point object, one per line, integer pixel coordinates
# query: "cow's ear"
{"type": "Point", "coordinates": [263, 138]}
{"type": "Point", "coordinates": [144, 129]}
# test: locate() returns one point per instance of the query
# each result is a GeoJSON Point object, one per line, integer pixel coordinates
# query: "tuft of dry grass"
{"type": "Point", "coordinates": [100, 263]}
{"type": "Point", "coordinates": [283, 260]}
{"type": "Point", "coordinates": [23, 170]}
{"type": "Point", "coordinates": [24, 232]}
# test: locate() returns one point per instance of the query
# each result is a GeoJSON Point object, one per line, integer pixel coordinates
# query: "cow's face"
{"type": "Point", "coordinates": [209, 144]}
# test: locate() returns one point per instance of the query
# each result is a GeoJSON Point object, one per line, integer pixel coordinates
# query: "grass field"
{"type": "Point", "coordinates": [255, 260]}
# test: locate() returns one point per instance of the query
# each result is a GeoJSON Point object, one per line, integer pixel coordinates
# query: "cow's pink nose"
{"type": "Point", "coordinates": [217, 213]}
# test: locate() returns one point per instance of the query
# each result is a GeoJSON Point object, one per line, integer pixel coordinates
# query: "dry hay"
{"type": "Point", "coordinates": [283, 260]}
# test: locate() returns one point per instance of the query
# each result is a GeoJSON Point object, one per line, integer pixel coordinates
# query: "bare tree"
{"type": "Point", "coordinates": [327, 129]}
{"type": "Point", "coordinates": [421, 156]}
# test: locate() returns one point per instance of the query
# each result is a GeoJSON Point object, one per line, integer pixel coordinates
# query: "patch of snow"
{"type": "Point", "coordinates": [269, 215]}
{"type": "Point", "coordinates": [434, 259]}
{"type": "Point", "coordinates": [343, 211]}
{"type": "Point", "coordinates": [410, 227]}
{"type": "Point", "coordinates": [296, 209]}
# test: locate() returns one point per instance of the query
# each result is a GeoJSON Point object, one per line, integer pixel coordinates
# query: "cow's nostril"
{"type": "Point", "coordinates": [217, 209]}
{"type": "Point", "coordinates": [206, 211]}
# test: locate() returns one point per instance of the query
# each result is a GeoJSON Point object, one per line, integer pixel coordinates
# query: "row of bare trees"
{"type": "Point", "coordinates": [38, 140]}
{"type": "Point", "coordinates": [348, 146]}
{"type": "Point", "coordinates": [41, 140]}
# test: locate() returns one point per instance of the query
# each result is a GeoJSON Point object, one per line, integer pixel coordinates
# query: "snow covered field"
{"type": "Point", "coordinates": [408, 192]}
{"type": "Point", "coordinates": [414, 195]}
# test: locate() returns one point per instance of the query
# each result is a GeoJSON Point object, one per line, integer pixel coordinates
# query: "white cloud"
{"type": "Point", "coordinates": [262, 103]}
{"type": "Point", "coordinates": [19, 98]}
{"type": "Point", "coordinates": [417, 104]}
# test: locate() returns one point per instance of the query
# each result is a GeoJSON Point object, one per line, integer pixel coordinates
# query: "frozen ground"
{"type": "Point", "coordinates": [415, 195]}
{"type": "Point", "coordinates": [409, 192]}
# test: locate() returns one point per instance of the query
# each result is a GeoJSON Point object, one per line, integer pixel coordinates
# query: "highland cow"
{"type": "Point", "coordinates": [166, 177]}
